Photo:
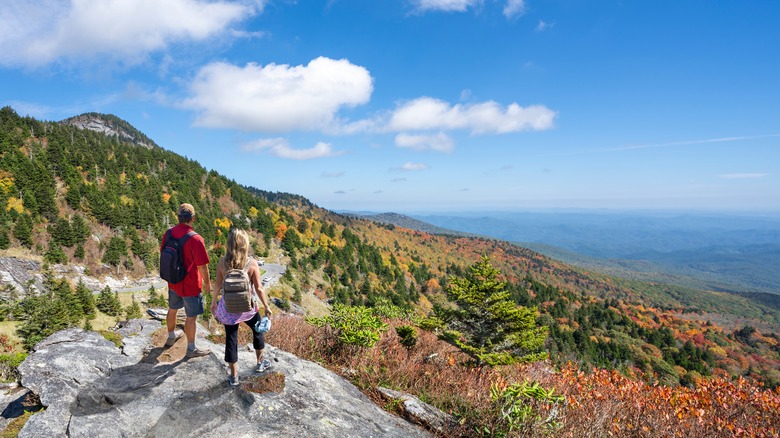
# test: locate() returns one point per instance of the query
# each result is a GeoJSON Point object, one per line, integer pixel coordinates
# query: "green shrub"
{"type": "Point", "coordinates": [353, 325]}
{"type": "Point", "coordinates": [408, 335]}
{"type": "Point", "coordinates": [524, 408]}
{"type": "Point", "coordinates": [9, 364]}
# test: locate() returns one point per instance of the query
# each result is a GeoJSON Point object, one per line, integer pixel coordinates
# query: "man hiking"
{"type": "Point", "coordinates": [187, 292]}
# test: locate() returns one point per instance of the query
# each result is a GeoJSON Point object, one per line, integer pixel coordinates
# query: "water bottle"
{"type": "Point", "coordinates": [263, 325]}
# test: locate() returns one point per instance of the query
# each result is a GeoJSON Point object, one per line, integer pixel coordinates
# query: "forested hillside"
{"type": "Point", "coordinates": [71, 195]}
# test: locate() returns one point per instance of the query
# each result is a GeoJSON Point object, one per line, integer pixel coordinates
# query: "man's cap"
{"type": "Point", "coordinates": [186, 211]}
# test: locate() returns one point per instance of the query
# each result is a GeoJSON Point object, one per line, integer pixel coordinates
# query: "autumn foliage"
{"type": "Point", "coordinates": [596, 403]}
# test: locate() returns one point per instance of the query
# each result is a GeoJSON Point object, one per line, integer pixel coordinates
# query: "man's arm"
{"type": "Point", "coordinates": [204, 274]}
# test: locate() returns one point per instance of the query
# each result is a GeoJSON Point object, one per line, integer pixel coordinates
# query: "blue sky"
{"type": "Point", "coordinates": [427, 105]}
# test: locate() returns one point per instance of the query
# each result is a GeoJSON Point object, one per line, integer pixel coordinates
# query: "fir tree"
{"type": "Point", "coordinates": [108, 302]}
{"type": "Point", "coordinates": [55, 254]}
{"type": "Point", "coordinates": [23, 230]}
{"type": "Point", "coordinates": [79, 229]}
{"type": "Point", "coordinates": [85, 300]}
{"type": "Point", "coordinates": [5, 241]}
{"type": "Point", "coordinates": [133, 311]}
{"type": "Point", "coordinates": [79, 253]}
{"type": "Point", "coordinates": [117, 248]}
{"type": "Point", "coordinates": [486, 324]}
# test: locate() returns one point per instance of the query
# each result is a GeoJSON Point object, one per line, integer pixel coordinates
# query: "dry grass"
{"type": "Point", "coordinates": [601, 403]}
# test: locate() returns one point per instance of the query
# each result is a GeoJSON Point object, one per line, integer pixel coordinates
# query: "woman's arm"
{"type": "Point", "coordinates": [217, 286]}
{"type": "Point", "coordinates": [254, 276]}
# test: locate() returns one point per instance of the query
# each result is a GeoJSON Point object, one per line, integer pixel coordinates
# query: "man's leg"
{"type": "Point", "coordinates": [193, 306]}
{"type": "Point", "coordinates": [170, 319]}
{"type": "Point", "coordinates": [174, 304]}
{"type": "Point", "coordinates": [189, 329]}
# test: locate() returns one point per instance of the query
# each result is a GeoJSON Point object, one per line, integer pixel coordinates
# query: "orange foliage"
{"type": "Point", "coordinates": [281, 230]}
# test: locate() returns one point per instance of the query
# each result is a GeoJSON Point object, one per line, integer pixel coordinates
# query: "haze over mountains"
{"type": "Point", "coordinates": [718, 251]}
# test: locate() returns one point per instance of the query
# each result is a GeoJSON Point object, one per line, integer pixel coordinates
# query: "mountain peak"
{"type": "Point", "coordinates": [111, 125]}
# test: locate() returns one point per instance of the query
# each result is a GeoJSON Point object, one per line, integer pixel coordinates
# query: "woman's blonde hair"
{"type": "Point", "coordinates": [237, 249]}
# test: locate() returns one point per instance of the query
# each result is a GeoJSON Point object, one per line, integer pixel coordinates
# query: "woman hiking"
{"type": "Point", "coordinates": [236, 259]}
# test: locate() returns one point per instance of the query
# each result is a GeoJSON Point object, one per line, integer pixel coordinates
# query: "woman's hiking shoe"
{"type": "Point", "coordinates": [233, 380]}
{"type": "Point", "coordinates": [197, 352]}
{"type": "Point", "coordinates": [170, 341]}
{"type": "Point", "coordinates": [262, 366]}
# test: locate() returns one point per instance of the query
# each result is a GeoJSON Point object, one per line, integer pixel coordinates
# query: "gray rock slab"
{"type": "Point", "coordinates": [421, 412]}
{"type": "Point", "coordinates": [92, 388]}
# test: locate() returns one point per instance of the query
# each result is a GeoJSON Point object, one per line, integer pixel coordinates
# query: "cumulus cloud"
{"type": "Point", "coordinates": [277, 98]}
{"type": "Point", "coordinates": [742, 175]}
{"type": "Point", "coordinates": [426, 113]}
{"type": "Point", "coordinates": [281, 148]}
{"type": "Point", "coordinates": [514, 8]}
{"type": "Point", "coordinates": [38, 32]}
{"type": "Point", "coordinates": [440, 142]}
{"type": "Point", "coordinates": [444, 5]}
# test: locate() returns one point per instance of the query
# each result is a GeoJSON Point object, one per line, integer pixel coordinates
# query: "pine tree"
{"type": "Point", "coordinates": [55, 254]}
{"type": "Point", "coordinates": [5, 241]}
{"type": "Point", "coordinates": [79, 253]}
{"type": "Point", "coordinates": [486, 324]}
{"type": "Point", "coordinates": [117, 248]}
{"type": "Point", "coordinates": [23, 230]}
{"type": "Point", "coordinates": [108, 302]}
{"type": "Point", "coordinates": [85, 300]}
{"type": "Point", "coordinates": [133, 311]}
{"type": "Point", "coordinates": [61, 233]}
{"type": "Point", "coordinates": [79, 229]}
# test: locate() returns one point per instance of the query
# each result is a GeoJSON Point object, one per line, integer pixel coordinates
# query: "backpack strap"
{"type": "Point", "coordinates": [182, 240]}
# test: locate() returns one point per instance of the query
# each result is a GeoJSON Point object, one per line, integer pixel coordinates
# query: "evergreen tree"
{"type": "Point", "coordinates": [23, 230]}
{"type": "Point", "coordinates": [117, 248]}
{"type": "Point", "coordinates": [5, 241]}
{"type": "Point", "coordinates": [486, 324]}
{"type": "Point", "coordinates": [55, 254]}
{"type": "Point", "coordinates": [133, 311]}
{"type": "Point", "coordinates": [108, 302]}
{"type": "Point", "coordinates": [79, 229]}
{"type": "Point", "coordinates": [79, 253]}
{"type": "Point", "coordinates": [85, 300]}
{"type": "Point", "coordinates": [61, 233]}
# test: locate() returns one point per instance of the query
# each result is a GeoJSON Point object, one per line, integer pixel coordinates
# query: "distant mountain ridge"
{"type": "Point", "coordinates": [400, 220]}
{"type": "Point", "coordinates": [719, 252]}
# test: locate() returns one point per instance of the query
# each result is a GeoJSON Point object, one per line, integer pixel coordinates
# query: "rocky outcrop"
{"type": "Point", "coordinates": [90, 387]}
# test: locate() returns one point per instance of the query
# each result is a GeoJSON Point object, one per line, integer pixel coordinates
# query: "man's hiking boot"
{"type": "Point", "coordinates": [197, 352]}
{"type": "Point", "coordinates": [262, 366]}
{"type": "Point", "coordinates": [170, 341]}
{"type": "Point", "coordinates": [233, 380]}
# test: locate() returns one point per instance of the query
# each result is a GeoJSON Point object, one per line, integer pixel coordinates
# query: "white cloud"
{"type": "Point", "coordinates": [411, 167]}
{"type": "Point", "coordinates": [277, 98]}
{"type": "Point", "coordinates": [742, 175]}
{"type": "Point", "coordinates": [331, 174]}
{"type": "Point", "coordinates": [39, 32]}
{"type": "Point", "coordinates": [281, 148]}
{"type": "Point", "coordinates": [514, 8]}
{"type": "Point", "coordinates": [426, 113]}
{"type": "Point", "coordinates": [445, 5]}
{"type": "Point", "coordinates": [543, 25]}
{"type": "Point", "coordinates": [440, 142]}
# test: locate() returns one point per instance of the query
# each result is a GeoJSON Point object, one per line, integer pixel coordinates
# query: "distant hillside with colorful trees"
{"type": "Point", "coordinates": [75, 196]}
